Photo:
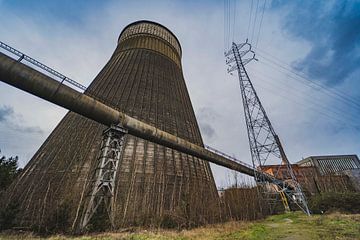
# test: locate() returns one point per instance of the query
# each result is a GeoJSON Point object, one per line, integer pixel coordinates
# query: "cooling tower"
{"type": "Point", "coordinates": [155, 185]}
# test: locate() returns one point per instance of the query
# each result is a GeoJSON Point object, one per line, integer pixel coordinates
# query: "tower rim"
{"type": "Point", "coordinates": [151, 22]}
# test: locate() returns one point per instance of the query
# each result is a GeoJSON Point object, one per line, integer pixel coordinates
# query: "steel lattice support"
{"type": "Point", "coordinates": [103, 182]}
{"type": "Point", "coordinates": [264, 143]}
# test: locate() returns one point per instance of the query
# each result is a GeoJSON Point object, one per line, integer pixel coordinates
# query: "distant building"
{"type": "Point", "coordinates": [331, 164]}
{"type": "Point", "coordinates": [318, 174]}
{"type": "Point", "coordinates": [280, 171]}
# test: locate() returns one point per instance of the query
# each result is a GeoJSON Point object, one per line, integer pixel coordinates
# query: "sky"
{"type": "Point", "coordinates": [307, 76]}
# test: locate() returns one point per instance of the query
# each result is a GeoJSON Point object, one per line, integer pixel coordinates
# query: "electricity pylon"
{"type": "Point", "coordinates": [264, 143]}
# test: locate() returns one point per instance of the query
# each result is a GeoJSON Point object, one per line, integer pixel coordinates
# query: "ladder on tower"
{"type": "Point", "coordinates": [102, 188]}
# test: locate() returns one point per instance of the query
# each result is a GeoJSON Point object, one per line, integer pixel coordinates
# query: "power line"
{"type": "Point", "coordinates": [304, 75]}
{"type": "Point", "coordinates": [224, 13]}
{"type": "Point", "coordinates": [234, 22]}
{"type": "Point", "coordinates": [231, 22]}
{"type": "Point", "coordinates": [326, 92]}
{"type": "Point", "coordinates": [251, 8]}
{"type": "Point", "coordinates": [327, 110]}
{"type": "Point", "coordinates": [309, 83]}
{"type": "Point", "coordinates": [322, 113]}
{"type": "Point", "coordinates": [238, 22]}
{"type": "Point", "coordinates": [334, 93]}
{"type": "Point", "coordinates": [225, 24]}
{"type": "Point", "coordinates": [230, 32]}
{"type": "Point", "coordinates": [262, 15]}
{"type": "Point", "coordinates": [336, 111]}
{"type": "Point", "coordinates": [256, 13]}
{"type": "Point", "coordinates": [228, 22]}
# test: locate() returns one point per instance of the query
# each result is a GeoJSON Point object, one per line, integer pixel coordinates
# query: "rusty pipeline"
{"type": "Point", "coordinates": [36, 83]}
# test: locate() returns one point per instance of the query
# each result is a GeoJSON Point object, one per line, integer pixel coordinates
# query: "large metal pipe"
{"type": "Point", "coordinates": [23, 77]}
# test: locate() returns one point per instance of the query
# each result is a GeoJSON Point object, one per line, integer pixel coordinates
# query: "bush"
{"type": "Point", "coordinates": [8, 171]}
{"type": "Point", "coordinates": [169, 221]}
{"type": "Point", "coordinates": [58, 221]}
{"type": "Point", "coordinates": [346, 202]}
{"type": "Point", "coordinates": [100, 221]}
{"type": "Point", "coordinates": [8, 216]}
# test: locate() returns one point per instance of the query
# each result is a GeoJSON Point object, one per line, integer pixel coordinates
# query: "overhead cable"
{"type": "Point", "coordinates": [251, 8]}
{"type": "Point", "coordinates": [254, 25]}
{"type": "Point", "coordinates": [262, 15]}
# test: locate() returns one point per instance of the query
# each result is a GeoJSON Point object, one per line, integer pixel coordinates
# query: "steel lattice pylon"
{"type": "Point", "coordinates": [264, 143]}
{"type": "Point", "coordinates": [103, 185]}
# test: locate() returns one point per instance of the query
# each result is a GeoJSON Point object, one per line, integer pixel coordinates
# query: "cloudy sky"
{"type": "Point", "coordinates": [307, 75]}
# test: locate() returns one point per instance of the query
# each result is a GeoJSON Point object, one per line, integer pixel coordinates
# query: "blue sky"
{"type": "Point", "coordinates": [316, 39]}
{"type": "Point", "coordinates": [331, 27]}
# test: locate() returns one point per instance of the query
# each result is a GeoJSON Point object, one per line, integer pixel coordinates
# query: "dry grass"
{"type": "Point", "coordinates": [290, 226]}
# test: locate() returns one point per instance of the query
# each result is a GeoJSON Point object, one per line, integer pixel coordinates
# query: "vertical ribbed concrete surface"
{"type": "Point", "coordinates": [144, 79]}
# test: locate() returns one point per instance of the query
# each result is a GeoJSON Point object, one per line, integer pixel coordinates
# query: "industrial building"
{"type": "Point", "coordinates": [331, 164]}
{"type": "Point", "coordinates": [345, 166]}
{"type": "Point", "coordinates": [154, 183]}
{"type": "Point", "coordinates": [281, 171]}
{"type": "Point", "coordinates": [322, 173]}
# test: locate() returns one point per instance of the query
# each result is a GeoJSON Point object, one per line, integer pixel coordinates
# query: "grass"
{"type": "Point", "coordinates": [290, 226]}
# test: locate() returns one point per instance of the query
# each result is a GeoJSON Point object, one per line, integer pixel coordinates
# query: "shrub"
{"type": "Point", "coordinates": [346, 202]}
{"type": "Point", "coordinates": [169, 221]}
{"type": "Point", "coordinates": [58, 221]}
{"type": "Point", "coordinates": [100, 221]}
{"type": "Point", "coordinates": [8, 171]}
{"type": "Point", "coordinates": [8, 216]}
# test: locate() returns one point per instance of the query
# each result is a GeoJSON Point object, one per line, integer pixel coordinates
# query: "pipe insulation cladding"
{"type": "Point", "coordinates": [36, 83]}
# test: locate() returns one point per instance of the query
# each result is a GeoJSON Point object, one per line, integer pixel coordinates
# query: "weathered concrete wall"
{"type": "Point", "coordinates": [144, 79]}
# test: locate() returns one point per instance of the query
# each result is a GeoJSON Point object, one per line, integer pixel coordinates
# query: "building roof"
{"type": "Point", "coordinates": [327, 156]}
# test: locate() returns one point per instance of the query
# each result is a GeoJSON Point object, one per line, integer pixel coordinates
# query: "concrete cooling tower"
{"type": "Point", "coordinates": [154, 185]}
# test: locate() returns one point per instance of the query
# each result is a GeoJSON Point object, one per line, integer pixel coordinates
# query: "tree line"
{"type": "Point", "coordinates": [9, 170]}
